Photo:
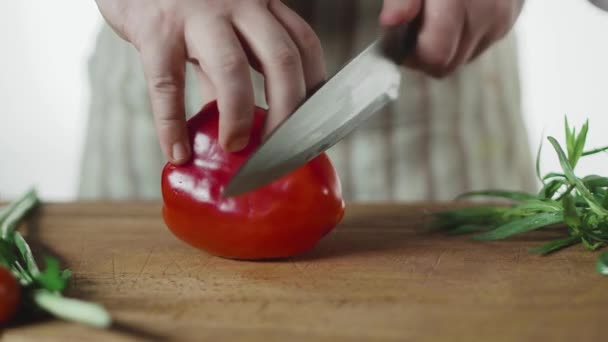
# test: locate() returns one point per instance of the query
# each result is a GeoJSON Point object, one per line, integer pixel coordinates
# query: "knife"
{"type": "Point", "coordinates": [365, 85]}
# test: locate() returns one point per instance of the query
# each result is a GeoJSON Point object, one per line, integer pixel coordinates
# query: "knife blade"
{"type": "Point", "coordinates": [349, 98]}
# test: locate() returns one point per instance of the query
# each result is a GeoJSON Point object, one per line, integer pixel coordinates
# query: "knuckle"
{"type": "Point", "coordinates": [285, 58]}
{"type": "Point", "coordinates": [231, 64]}
{"type": "Point", "coordinates": [168, 120]}
{"type": "Point", "coordinates": [161, 18]}
{"type": "Point", "coordinates": [168, 124]}
{"type": "Point", "coordinates": [248, 4]}
{"type": "Point", "coordinates": [221, 6]}
{"type": "Point", "coordinates": [151, 22]}
{"type": "Point", "coordinates": [235, 96]}
{"type": "Point", "coordinates": [236, 106]}
{"type": "Point", "coordinates": [311, 44]}
{"type": "Point", "coordinates": [438, 56]}
{"type": "Point", "coordinates": [164, 84]}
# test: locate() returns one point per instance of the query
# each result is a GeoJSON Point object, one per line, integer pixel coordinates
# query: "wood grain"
{"type": "Point", "coordinates": [379, 276]}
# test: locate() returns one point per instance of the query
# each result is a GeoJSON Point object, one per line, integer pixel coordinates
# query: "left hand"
{"type": "Point", "coordinates": [453, 32]}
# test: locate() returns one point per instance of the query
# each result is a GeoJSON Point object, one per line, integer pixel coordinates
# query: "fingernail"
{"type": "Point", "coordinates": [180, 152]}
{"type": "Point", "coordinates": [237, 144]}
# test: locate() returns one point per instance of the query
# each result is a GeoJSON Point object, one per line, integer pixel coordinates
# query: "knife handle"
{"type": "Point", "coordinates": [397, 42]}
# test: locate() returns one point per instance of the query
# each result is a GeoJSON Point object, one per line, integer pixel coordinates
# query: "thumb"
{"type": "Point", "coordinates": [397, 12]}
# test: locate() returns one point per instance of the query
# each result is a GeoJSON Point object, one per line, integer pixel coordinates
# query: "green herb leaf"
{"type": "Point", "coordinates": [523, 225]}
{"type": "Point", "coordinates": [595, 181]}
{"type": "Point", "coordinates": [553, 175]}
{"type": "Point", "coordinates": [7, 255]}
{"type": "Point", "coordinates": [571, 217]}
{"type": "Point", "coordinates": [579, 145]}
{"type": "Point", "coordinates": [26, 254]}
{"type": "Point", "coordinates": [582, 204]}
{"type": "Point", "coordinates": [512, 195]}
{"type": "Point", "coordinates": [535, 206]}
{"type": "Point", "coordinates": [538, 154]}
{"type": "Point", "coordinates": [44, 288]}
{"type": "Point", "coordinates": [12, 215]}
{"type": "Point", "coordinates": [470, 228]}
{"type": "Point", "coordinates": [22, 274]}
{"type": "Point", "coordinates": [52, 278]}
{"type": "Point", "coordinates": [471, 215]}
{"type": "Point", "coordinates": [592, 246]}
{"type": "Point", "coordinates": [595, 151]}
{"type": "Point", "coordinates": [549, 190]}
{"type": "Point", "coordinates": [570, 141]}
{"type": "Point", "coordinates": [556, 245]}
{"type": "Point", "coordinates": [596, 207]}
{"type": "Point", "coordinates": [601, 265]}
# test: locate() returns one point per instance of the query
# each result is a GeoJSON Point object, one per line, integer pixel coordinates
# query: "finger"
{"type": "Point", "coordinates": [469, 41]}
{"type": "Point", "coordinates": [396, 12]}
{"type": "Point", "coordinates": [467, 50]}
{"type": "Point", "coordinates": [280, 59]}
{"type": "Point", "coordinates": [218, 50]}
{"type": "Point", "coordinates": [307, 42]}
{"type": "Point", "coordinates": [206, 88]}
{"type": "Point", "coordinates": [503, 15]}
{"type": "Point", "coordinates": [481, 47]}
{"type": "Point", "coordinates": [439, 35]}
{"type": "Point", "coordinates": [164, 63]}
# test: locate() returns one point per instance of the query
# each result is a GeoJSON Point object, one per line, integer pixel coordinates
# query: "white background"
{"type": "Point", "coordinates": [44, 93]}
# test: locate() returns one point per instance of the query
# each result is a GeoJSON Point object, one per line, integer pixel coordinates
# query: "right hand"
{"type": "Point", "coordinates": [452, 33]}
{"type": "Point", "coordinates": [222, 38]}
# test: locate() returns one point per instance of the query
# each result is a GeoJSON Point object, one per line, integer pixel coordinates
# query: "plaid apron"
{"type": "Point", "coordinates": [441, 138]}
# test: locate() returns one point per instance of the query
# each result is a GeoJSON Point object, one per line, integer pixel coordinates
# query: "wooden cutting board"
{"type": "Point", "coordinates": [379, 276]}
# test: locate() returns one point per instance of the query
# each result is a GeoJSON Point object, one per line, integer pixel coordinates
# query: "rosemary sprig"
{"type": "Point", "coordinates": [579, 205]}
{"type": "Point", "coordinates": [44, 288]}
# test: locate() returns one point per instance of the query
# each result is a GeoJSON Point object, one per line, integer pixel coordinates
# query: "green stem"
{"type": "Point", "coordinates": [72, 309]}
{"type": "Point", "coordinates": [566, 193]}
{"type": "Point", "coordinates": [26, 254]}
{"type": "Point", "coordinates": [24, 277]}
{"type": "Point", "coordinates": [14, 213]}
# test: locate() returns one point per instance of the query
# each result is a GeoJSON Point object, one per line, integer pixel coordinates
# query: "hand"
{"type": "Point", "coordinates": [222, 39]}
{"type": "Point", "coordinates": [452, 32]}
